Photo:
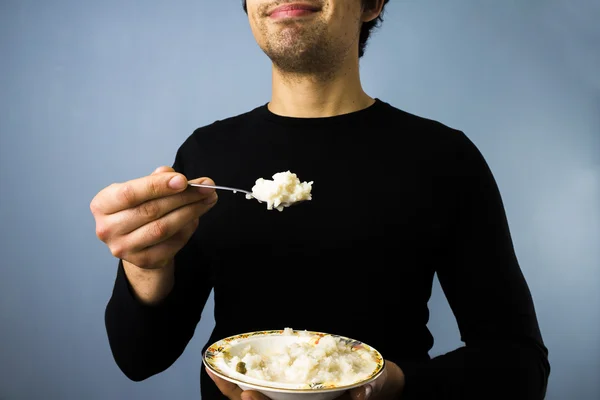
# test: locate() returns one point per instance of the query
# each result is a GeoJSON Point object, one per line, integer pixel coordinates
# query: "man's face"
{"type": "Point", "coordinates": [306, 36]}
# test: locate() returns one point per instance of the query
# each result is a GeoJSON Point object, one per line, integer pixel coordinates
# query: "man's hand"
{"type": "Point", "coordinates": [388, 386]}
{"type": "Point", "coordinates": [233, 391]}
{"type": "Point", "coordinates": [146, 221]}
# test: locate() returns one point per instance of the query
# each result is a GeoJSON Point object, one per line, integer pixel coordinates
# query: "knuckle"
{"type": "Point", "coordinates": [154, 187]}
{"type": "Point", "coordinates": [118, 251]}
{"type": "Point", "coordinates": [126, 194]}
{"type": "Point", "coordinates": [149, 210]}
{"type": "Point", "coordinates": [102, 231]}
{"type": "Point", "coordinates": [159, 231]}
{"type": "Point", "coordinates": [184, 197]}
{"type": "Point", "coordinates": [94, 208]}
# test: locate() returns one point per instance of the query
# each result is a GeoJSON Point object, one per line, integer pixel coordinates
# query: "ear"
{"type": "Point", "coordinates": [372, 9]}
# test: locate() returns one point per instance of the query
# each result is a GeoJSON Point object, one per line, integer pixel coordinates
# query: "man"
{"type": "Point", "coordinates": [397, 198]}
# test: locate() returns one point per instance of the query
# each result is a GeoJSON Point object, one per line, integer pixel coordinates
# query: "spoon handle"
{"type": "Point", "coordinates": [219, 187]}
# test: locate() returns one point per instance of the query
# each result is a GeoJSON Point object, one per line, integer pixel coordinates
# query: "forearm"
{"type": "Point", "coordinates": [150, 286]}
{"type": "Point", "coordinates": [493, 370]}
{"type": "Point", "coordinates": [147, 339]}
{"type": "Point", "coordinates": [505, 356]}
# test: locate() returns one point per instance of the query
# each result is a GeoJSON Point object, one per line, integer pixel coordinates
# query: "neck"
{"type": "Point", "coordinates": [319, 95]}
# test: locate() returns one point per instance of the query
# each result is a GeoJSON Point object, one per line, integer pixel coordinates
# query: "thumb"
{"type": "Point", "coordinates": [362, 393]}
{"type": "Point", "coordinates": [372, 389]}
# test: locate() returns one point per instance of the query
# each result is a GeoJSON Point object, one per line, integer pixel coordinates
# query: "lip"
{"type": "Point", "coordinates": [292, 10]}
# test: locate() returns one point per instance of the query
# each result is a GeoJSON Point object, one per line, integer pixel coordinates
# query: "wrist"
{"type": "Point", "coordinates": [150, 286]}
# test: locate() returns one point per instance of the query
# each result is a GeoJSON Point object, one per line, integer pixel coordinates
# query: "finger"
{"type": "Point", "coordinates": [204, 180]}
{"type": "Point", "coordinates": [361, 393]}
{"type": "Point", "coordinates": [163, 228]}
{"type": "Point", "coordinates": [253, 395]}
{"type": "Point", "coordinates": [188, 230]}
{"type": "Point", "coordinates": [127, 221]}
{"type": "Point", "coordinates": [165, 250]}
{"type": "Point", "coordinates": [372, 389]}
{"type": "Point", "coordinates": [163, 168]}
{"type": "Point", "coordinates": [229, 389]}
{"type": "Point", "coordinates": [121, 196]}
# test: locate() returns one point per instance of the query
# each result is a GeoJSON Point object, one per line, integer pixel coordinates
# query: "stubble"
{"type": "Point", "coordinates": [303, 48]}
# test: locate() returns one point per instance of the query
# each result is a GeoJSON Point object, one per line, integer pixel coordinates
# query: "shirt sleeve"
{"type": "Point", "coordinates": [503, 356]}
{"type": "Point", "coordinates": [146, 340]}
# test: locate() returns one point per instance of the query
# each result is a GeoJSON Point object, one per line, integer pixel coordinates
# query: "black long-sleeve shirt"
{"type": "Point", "coordinates": [397, 198]}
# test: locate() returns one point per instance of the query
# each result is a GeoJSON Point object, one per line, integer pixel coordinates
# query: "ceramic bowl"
{"type": "Point", "coordinates": [216, 356]}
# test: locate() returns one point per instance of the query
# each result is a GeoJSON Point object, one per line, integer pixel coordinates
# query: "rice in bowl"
{"type": "Point", "coordinates": [296, 360]}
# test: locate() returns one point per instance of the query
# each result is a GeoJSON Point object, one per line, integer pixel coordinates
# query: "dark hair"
{"type": "Point", "coordinates": [366, 29]}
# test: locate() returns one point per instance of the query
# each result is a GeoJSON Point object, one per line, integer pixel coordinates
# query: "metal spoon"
{"type": "Point", "coordinates": [248, 194]}
{"type": "Point", "coordinates": [234, 190]}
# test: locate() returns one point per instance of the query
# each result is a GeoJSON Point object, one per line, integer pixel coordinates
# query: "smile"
{"type": "Point", "coordinates": [294, 10]}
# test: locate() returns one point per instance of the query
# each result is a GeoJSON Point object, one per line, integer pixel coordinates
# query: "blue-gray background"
{"type": "Point", "coordinates": [97, 92]}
